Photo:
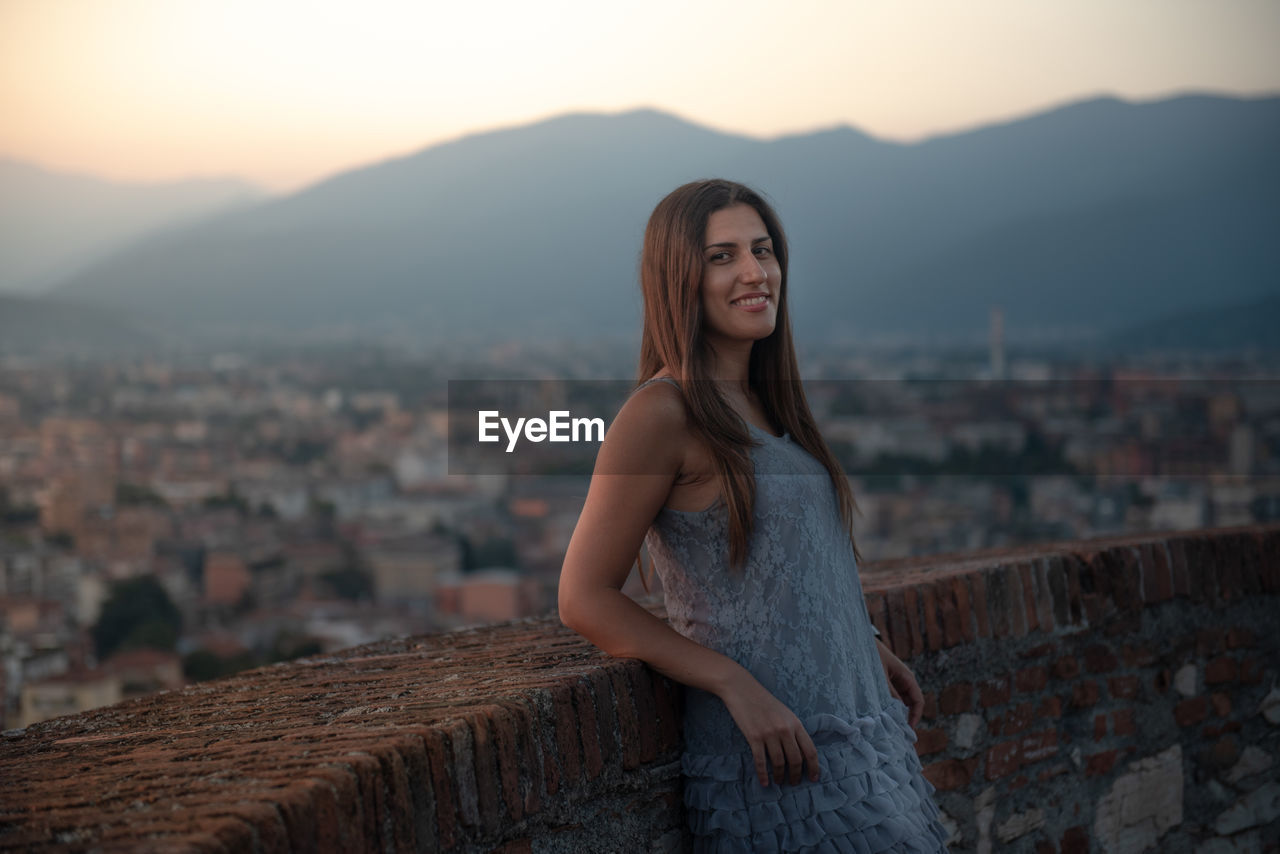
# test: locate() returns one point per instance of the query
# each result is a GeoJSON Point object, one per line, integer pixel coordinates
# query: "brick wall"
{"type": "Point", "coordinates": [1115, 696]}
{"type": "Point", "coordinates": [1101, 696]}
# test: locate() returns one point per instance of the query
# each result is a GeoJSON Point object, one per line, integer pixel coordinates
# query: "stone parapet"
{"type": "Point", "coordinates": [1114, 695]}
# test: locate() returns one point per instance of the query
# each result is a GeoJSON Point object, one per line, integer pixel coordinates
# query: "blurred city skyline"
{"type": "Point", "coordinates": [284, 93]}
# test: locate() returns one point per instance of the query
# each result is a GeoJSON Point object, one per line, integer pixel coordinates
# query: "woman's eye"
{"type": "Point", "coordinates": [763, 251]}
{"type": "Point", "coordinates": [719, 256]}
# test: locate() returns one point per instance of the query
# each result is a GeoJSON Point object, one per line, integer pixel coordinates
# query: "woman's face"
{"type": "Point", "coordinates": [741, 278]}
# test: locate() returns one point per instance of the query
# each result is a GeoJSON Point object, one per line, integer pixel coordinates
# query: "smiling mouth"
{"type": "Point", "coordinates": [757, 300]}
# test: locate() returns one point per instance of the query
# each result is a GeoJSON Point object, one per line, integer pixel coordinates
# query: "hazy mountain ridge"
{"type": "Point", "coordinates": [34, 325]}
{"type": "Point", "coordinates": [1245, 326]}
{"type": "Point", "coordinates": [1099, 214]}
{"type": "Point", "coordinates": [54, 224]}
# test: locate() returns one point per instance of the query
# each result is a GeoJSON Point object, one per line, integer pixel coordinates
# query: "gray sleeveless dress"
{"type": "Point", "coordinates": [795, 618]}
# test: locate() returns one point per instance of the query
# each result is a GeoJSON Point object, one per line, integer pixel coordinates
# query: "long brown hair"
{"type": "Point", "coordinates": [671, 267]}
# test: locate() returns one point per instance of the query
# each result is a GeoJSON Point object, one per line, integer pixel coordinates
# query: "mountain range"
{"type": "Point", "coordinates": [1083, 220]}
{"type": "Point", "coordinates": [54, 225]}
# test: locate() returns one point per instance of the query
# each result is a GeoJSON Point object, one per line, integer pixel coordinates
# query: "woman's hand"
{"type": "Point", "coordinates": [776, 736]}
{"type": "Point", "coordinates": [902, 683]}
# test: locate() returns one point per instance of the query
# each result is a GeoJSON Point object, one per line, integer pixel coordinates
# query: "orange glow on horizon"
{"type": "Point", "coordinates": [284, 92]}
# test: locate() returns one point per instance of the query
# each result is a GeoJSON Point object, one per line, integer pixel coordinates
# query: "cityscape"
{"type": "Point", "coordinates": [165, 520]}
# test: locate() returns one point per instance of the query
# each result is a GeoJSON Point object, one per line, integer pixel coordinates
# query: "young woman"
{"type": "Point", "coordinates": [797, 720]}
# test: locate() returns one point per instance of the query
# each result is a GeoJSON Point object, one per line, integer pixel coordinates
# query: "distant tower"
{"type": "Point", "coordinates": [997, 343]}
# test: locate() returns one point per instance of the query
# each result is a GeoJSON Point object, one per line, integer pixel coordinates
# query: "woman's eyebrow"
{"type": "Point", "coordinates": [729, 244]}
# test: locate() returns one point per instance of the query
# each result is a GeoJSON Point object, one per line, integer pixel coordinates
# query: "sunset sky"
{"type": "Point", "coordinates": [282, 92]}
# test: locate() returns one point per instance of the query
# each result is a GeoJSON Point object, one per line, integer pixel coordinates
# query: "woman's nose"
{"type": "Point", "coordinates": [752, 270]}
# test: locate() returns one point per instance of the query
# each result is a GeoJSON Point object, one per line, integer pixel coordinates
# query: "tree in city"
{"type": "Point", "coordinates": [138, 613]}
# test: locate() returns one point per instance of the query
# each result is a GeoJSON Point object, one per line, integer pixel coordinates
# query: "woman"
{"type": "Point", "coordinates": [794, 737]}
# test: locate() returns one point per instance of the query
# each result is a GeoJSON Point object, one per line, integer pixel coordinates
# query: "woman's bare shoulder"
{"type": "Point", "coordinates": [656, 405]}
{"type": "Point", "coordinates": [651, 426]}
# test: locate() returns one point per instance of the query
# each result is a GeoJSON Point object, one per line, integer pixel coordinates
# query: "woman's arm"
{"type": "Point", "coordinates": [638, 462]}
{"type": "Point", "coordinates": [902, 683]}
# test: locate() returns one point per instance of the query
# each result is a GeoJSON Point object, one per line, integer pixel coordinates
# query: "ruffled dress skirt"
{"type": "Point", "coordinates": [870, 796]}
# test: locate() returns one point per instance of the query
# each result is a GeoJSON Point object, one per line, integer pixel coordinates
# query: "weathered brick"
{"type": "Point", "coordinates": [1067, 667]}
{"type": "Point", "coordinates": [628, 718]}
{"type": "Point", "coordinates": [1137, 655]}
{"type": "Point", "coordinates": [589, 730]}
{"type": "Point", "coordinates": [642, 694]}
{"type": "Point", "coordinates": [485, 768]}
{"type": "Point", "coordinates": [1157, 580]}
{"type": "Point", "coordinates": [930, 710]}
{"type": "Point", "coordinates": [1030, 609]}
{"type": "Point", "coordinates": [1210, 641]}
{"type": "Point", "coordinates": [1003, 759]}
{"type": "Point", "coordinates": [504, 750]}
{"type": "Point", "coordinates": [978, 601]}
{"type": "Point", "coordinates": [608, 726]}
{"type": "Point", "coordinates": [930, 741]}
{"type": "Point", "coordinates": [1100, 764]}
{"type": "Point", "coordinates": [1123, 722]}
{"type": "Point", "coordinates": [1097, 607]}
{"type": "Point", "coordinates": [1059, 591]}
{"type": "Point", "coordinates": [1031, 679]}
{"type": "Point", "coordinates": [1099, 659]}
{"type": "Point", "coordinates": [993, 692]}
{"type": "Point", "coordinates": [948, 774]}
{"type": "Point", "coordinates": [1269, 546]}
{"type": "Point", "coordinates": [1043, 594]}
{"type": "Point", "coordinates": [1017, 600]}
{"type": "Point", "coordinates": [442, 786]}
{"type": "Point", "coordinates": [964, 613]}
{"type": "Point", "coordinates": [1050, 707]}
{"type": "Point", "coordinates": [400, 806]}
{"type": "Point", "coordinates": [1224, 752]}
{"type": "Point", "coordinates": [1219, 670]}
{"type": "Point", "coordinates": [1084, 694]}
{"type": "Point", "coordinates": [1099, 727]}
{"type": "Point", "coordinates": [1075, 840]}
{"type": "Point", "coordinates": [1238, 638]}
{"type": "Point", "coordinates": [911, 601]}
{"type": "Point", "coordinates": [1178, 567]}
{"type": "Point", "coordinates": [1251, 671]}
{"type": "Point", "coordinates": [568, 746]}
{"type": "Point", "coordinates": [931, 620]}
{"type": "Point", "coordinates": [899, 630]}
{"type": "Point", "coordinates": [948, 613]}
{"type": "Point", "coordinates": [1075, 593]}
{"type": "Point", "coordinates": [956, 698]}
{"type": "Point", "coordinates": [1018, 719]}
{"type": "Point", "coordinates": [1221, 704]}
{"type": "Point", "coordinates": [1191, 711]}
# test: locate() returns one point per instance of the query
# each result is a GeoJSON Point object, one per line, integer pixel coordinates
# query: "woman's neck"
{"type": "Point", "coordinates": [731, 363]}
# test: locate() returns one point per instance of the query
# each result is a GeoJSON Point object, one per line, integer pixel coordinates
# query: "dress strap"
{"type": "Point", "coordinates": [671, 380]}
